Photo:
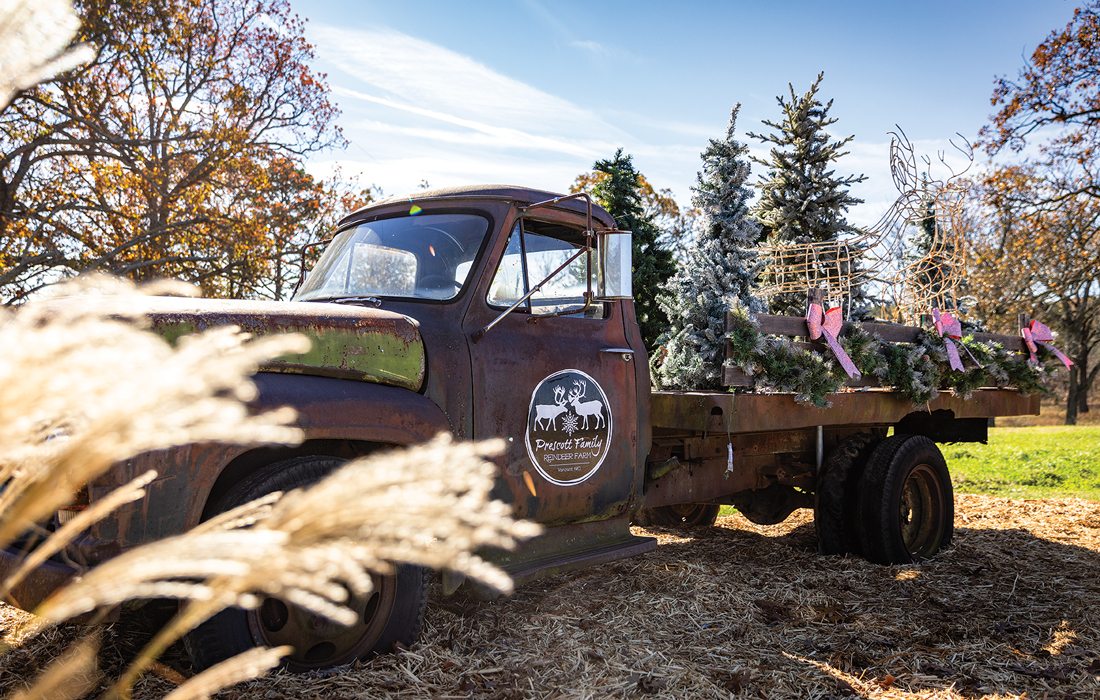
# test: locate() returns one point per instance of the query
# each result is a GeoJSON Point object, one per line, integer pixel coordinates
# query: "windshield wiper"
{"type": "Point", "coordinates": [373, 301]}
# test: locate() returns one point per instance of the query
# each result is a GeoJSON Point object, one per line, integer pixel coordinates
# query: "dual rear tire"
{"type": "Point", "coordinates": [889, 501]}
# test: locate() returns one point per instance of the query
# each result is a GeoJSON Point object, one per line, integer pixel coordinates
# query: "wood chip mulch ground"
{"type": "Point", "coordinates": [1011, 610]}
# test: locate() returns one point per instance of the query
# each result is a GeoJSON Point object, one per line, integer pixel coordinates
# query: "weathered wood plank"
{"type": "Point", "coordinates": [795, 326]}
{"type": "Point", "coordinates": [752, 413]}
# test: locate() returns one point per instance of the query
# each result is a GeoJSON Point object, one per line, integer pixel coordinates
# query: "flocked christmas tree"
{"type": "Point", "coordinates": [620, 194]}
{"type": "Point", "coordinates": [802, 199]}
{"type": "Point", "coordinates": [719, 268]}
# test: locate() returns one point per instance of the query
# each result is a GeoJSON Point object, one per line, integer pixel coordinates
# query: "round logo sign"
{"type": "Point", "coordinates": [568, 427]}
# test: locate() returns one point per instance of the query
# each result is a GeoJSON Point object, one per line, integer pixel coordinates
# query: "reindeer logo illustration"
{"type": "Point", "coordinates": [586, 408]}
{"type": "Point", "coordinates": [548, 413]}
{"type": "Point", "coordinates": [569, 427]}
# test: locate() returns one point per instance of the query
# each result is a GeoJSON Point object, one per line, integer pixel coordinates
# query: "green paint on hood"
{"type": "Point", "coordinates": [351, 342]}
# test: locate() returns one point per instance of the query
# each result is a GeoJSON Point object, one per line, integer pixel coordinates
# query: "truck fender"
{"type": "Point", "coordinates": [339, 416]}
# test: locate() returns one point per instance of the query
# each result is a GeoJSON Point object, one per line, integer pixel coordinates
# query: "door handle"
{"type": "Point", "coordinates": [626, 353]}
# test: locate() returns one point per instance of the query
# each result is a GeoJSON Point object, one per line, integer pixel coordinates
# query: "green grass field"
{"type": "Point", "coordinates": [1032, 462]}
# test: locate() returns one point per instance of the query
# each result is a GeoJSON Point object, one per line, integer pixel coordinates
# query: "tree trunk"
{"type": "Point", "coordinates": [1072, 396]}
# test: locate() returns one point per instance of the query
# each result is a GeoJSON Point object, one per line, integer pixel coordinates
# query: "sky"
{"type": "Point", "coordinates": [533, 92]}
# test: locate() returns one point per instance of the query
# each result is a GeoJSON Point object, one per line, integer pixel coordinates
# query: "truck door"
{"type": "Point", "coordinates": [555, 379]}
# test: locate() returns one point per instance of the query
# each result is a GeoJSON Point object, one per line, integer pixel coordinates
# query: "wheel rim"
{"type": "Point", "coordinates": [922, 512]}
{"type": "Point", "coordinates": [317, 641]}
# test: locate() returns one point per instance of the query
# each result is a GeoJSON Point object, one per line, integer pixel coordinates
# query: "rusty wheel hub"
{"type": "Point", "coordinates": [317, 641]}
{"type": "Point", "coordinates": [921, 512]}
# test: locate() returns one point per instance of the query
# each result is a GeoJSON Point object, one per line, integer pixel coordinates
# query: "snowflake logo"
{"type": "Point", "coordinates": [569, 424]}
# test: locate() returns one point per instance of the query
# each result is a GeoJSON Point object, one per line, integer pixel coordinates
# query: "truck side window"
{"type": "Point", "coordinates": [531, 255]}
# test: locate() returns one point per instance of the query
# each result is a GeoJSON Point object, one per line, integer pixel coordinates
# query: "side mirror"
{"type": "Point", "coordinates": [614, 277]}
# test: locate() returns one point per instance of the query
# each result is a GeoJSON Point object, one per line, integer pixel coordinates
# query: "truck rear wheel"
{"type": "Point", "coordinates": [836, 496]}
{"type": "Point", "coordinates": [392, 613]}
{"type": "Point", "coordinates": [684, 515]}
{"type": "Point", "coordinates": [906, 504]}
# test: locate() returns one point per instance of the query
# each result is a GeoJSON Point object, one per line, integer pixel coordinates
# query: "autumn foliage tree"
{"type": "Point", "coordinates": [1041, 261]}
{"type": "Point", "coordinates": [1039, 250]}
{"type": "Point", "coordinates": [177, 152]}
{"type": "Point", "coordinates": [658, 205]}
{"type": "Point", "coordinates": [618, 187]}
{"type": "Point", "coordinates": [1054, 102]}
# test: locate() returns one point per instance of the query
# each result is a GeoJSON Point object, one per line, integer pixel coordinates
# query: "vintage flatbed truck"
{"type": "Point", "coordinates": [506, 312]}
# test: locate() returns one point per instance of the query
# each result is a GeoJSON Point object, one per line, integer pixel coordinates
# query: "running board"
{"type": "Point", "coordinates": [569, 547]}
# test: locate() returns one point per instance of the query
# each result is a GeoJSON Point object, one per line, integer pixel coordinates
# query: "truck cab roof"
{"type": "Point", "coordinates": [519, 196]}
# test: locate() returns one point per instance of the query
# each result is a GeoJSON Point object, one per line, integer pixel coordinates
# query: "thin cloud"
{"type": "Point", "coordinates": [593, 47]}
{"type": "Point", "coordinates": [494, 136]}
{"type": "Point", "coordinates": [403, 68]}
{"type": "Point", "coordinates": [419, 111]}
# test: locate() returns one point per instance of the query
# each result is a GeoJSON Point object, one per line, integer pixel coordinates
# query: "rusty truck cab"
{"type": "Point", "coordinates": [556, 375]}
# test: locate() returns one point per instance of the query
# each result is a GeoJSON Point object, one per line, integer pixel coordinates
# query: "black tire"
{"type": "Point", "coordinates": [906, 503]}
{"type": "Point", "coordinates": [836, 497]}
{"type": "Point", "coordinates": [392, 614]}
{"type": "Point", "coordinates": [685, 515]}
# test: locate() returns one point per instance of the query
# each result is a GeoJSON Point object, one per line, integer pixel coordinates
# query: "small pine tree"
{"type": "Point", "coordinates": [720, 268]}
{"type": "Point", "coordinates": [802, 200]}
{"type": "Point", "coordinates": [620, 194]}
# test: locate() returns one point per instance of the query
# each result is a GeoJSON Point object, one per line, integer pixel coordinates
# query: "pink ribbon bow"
{"type": "Point", "coordinates": [949, 327]}
{"type": "Point", "coordinates": [828, 324]}
{"type": "Point", "coordinates": [1036, 333]}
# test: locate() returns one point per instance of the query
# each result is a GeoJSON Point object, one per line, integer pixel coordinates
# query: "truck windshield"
{"type": "Point", "coordinates": [425, 256]}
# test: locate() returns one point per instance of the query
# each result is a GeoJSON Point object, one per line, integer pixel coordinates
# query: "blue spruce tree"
{"type": "Point", "coordinates": [719, 269]}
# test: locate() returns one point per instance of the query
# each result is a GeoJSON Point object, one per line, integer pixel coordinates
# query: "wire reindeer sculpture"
{"type": "Point", "coordinates": [877, 257]}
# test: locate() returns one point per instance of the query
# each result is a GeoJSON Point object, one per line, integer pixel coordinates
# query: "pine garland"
{"type": "Point", "coordinates": [917, 371]}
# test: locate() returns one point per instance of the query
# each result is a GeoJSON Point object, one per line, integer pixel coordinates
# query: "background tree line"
{"type": "Point", "coordinates": [179, 151]}
{"type": "Point", "coordinates": [1032, 218]}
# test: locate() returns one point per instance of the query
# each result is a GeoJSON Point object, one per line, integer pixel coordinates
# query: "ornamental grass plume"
{"type": "Point", "coordinates": [70, 676]}
{"type": "Point", "coordinates": [84, 385]}
{"type": "Point", "coordinates": [316, 547]}
{"type": "Point", "coordinates": [312, 545]}
{"type": "Point", "coordinates": [34, 43]}
{"type": "Point", "coordinates": [242, 667]}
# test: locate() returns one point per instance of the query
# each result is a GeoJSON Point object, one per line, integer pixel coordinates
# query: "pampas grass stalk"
{"type": "Point", "coordinates": [242, 667]}
{"type": "Point", "coordinates": [34, 43]}
{"type": "Point", "coordinates": [314, 545]}
{"type": "Point", "coordinates": [70, 676]}
{"type": "Point", "coordinates": [83, 385]}
{"type": "Point", "coordinates": [80, 522]}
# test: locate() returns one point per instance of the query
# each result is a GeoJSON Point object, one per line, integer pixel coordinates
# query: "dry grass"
{"type": "Point", "coordinates": [84, 385]}
{"type": "Point", "coordinates": [1011, 610]}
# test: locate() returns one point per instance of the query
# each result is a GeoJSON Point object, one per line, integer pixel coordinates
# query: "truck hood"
{"type": "Point", "coordinates": [347, 341]}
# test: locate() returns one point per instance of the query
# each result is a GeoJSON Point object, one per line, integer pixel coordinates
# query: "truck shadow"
{"type": "Point", "coordinates": [1003, 611]}
{"type": "Point", "coordinates": [741, 610]}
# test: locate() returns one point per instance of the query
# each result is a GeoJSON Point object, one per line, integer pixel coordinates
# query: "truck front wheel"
{"type": "Point", "coordinates": [392, 613]}
{"type": "Point", "coordinates": [906, 503]}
